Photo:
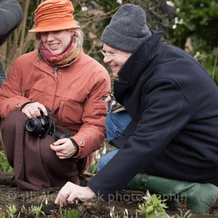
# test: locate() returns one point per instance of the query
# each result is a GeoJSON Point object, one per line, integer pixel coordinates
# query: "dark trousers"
{"type": "Point", "coordinates": [35, 165]}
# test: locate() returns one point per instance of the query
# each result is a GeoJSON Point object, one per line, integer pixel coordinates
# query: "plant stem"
{"type": "Point", "coordinates": [215, 64]}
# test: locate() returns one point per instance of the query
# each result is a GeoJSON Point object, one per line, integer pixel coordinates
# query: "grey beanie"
{"type": "Point", "coordinates": [127, 28]}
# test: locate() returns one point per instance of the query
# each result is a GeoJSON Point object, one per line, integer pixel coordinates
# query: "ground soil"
{"type": "Point", "coordinates": [10, 195]}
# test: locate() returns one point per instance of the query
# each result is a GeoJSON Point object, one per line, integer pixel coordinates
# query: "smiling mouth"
{"type": "Point", "coordinates": [54, 45]}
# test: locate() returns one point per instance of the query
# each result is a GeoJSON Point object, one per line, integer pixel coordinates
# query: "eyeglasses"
{"type": "Point", "coordinates": [108, 53]}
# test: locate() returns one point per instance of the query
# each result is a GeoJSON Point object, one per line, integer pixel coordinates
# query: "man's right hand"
{"type": "Point", "coordinates": [107, 102]}
{"type": "Point", "coordinates": [71, 192]}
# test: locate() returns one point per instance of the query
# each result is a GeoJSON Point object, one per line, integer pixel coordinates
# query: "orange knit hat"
{"type": "Point", "coordinates": [54, 15]}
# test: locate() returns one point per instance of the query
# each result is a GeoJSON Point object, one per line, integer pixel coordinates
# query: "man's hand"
{"type": "Point", "coordinates": [107, 102]}
{"type": "Point", "coordinates": [32, 110]}
{"type": "Point", "coordinates": [71, 192]}
{"type": "Point", "coordinates": [64, 148]}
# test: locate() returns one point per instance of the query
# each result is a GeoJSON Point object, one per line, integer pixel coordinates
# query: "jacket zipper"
{"type": "Point", "coordinates": [56, 71]}
{"type": "Point", "coordinates": [56, 75]}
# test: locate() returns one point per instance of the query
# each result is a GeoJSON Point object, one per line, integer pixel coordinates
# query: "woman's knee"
{"type": "Point", "coordinates": [13, 120]}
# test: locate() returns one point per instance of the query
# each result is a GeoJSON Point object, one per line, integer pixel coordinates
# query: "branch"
{"type": "Point", "coordinates": [215, 64]}
{"type": "Point", "coordinates": [27, 2]}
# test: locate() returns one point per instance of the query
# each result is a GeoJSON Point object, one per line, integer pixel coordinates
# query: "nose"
{"type": "Point", "coordinates": [50, 36]}
{"type": "Point", "coordinates": [107, 59]}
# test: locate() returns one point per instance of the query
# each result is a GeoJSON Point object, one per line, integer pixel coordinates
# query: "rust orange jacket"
{"type": "Point", "coordinates": [77, 90]}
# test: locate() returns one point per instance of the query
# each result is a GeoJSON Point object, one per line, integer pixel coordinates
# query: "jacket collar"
{"type": "Point", "coordinates": [135, 66]}
{"type": "Point", "coordinates": [40, 63]}
{"type": "Point", "coordinates": [141, 58]}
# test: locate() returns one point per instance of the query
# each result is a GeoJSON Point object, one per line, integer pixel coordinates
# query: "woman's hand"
{"type": "Point", "coordinates": [71, 192]}
{"type": "Point", "coordinates": [32, 110]}
{"type": "Point", "coordinates": [64, 148]}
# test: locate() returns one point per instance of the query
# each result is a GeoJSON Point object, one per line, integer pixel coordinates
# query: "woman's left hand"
{"type": "Point", "coordinates": [71, 192]}
{"type": "Point", "coordinates": [64, 148]}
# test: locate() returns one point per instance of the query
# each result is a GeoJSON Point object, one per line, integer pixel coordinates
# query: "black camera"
{"type": "Point", "coordinates": [40, 126]}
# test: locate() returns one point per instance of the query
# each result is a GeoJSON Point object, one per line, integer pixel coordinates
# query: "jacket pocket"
{"type": "Point", "coordinates": [34, 91]}
{"type": "Point", "coordinates": [71, 110]}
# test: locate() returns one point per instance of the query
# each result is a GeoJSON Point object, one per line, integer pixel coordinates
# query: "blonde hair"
{"type": "Point", "coordinates": [79, 36]}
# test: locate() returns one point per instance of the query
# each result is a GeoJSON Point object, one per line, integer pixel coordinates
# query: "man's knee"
{"type": "Point", "coordinates": [116, 124]}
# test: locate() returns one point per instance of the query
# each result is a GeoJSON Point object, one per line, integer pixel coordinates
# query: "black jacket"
{"type": "Point", "coordinates": [174, 105]}
{"type": "Point", "coordinates": [10, 17]}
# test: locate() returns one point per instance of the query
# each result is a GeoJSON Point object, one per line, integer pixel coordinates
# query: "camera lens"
{"type": "Point", "coordinates": [39, 126]}
{"type": "Point", "coordinates": [34, 125]}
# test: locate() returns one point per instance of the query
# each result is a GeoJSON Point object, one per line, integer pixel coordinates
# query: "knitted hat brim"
{"type": "Point", "coordinates": [118, 41]}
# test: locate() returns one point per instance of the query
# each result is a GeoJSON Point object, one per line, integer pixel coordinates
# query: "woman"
{"type": "Point", "coordinates": [61, 81]}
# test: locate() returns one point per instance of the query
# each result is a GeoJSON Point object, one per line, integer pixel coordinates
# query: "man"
{"type": "Point", "coordinates": [10, 17]}
{"type": "Point", "coordinates": [173, 134]}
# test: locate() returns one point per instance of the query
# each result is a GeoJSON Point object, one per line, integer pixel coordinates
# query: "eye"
{"type": "Point", "coordinates": [44, 33]}
{"type": "Point", "coordinates": [57, 31]}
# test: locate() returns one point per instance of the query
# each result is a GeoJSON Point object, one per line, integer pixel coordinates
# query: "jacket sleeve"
{"type": "Point", "coordinates": [2, 73]}
{"type": "Point", "coordinates": [165, 113]}
{"type": "Point", "coordinates": [11, 16]}
{"type": "Point", "coordinates": [11, 92]}
{"type": "Point", "coordinates": [92, 133]}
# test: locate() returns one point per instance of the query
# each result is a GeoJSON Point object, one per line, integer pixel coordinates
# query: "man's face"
{"type": "Point", "coordinates": [114, 58]}
{"type": "Point", "coordinates": [57, 42]}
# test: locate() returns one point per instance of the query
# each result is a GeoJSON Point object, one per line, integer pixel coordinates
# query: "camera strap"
{"type": "Point", "coordinates": [55, 137]}
{"type": "Point", "coordinates": [51, 129]}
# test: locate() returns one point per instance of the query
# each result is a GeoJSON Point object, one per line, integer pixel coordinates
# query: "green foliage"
{"type": "Point", "coordinates": [126, 214]}
{"type": "Point", "coordinates": [153, 206]}
{"type": "Point", "coordinates": [11, 210]}
{"type": "Point", "coordinates": [69, 213]}
{"type": "Point", "coordinates": [4, 165]}
{"type": "Point", "coordinates": [208, 60]}
{"type": "Point", "coordinates": [93, 167]}
{"type": "Point", "coordinates": [199, 19]}
{"type": "Point", "coordinates": [112, 213]}
{"type": "Point", "coordinates": [37, 210]}
{"type": "Point", "coordinates": [108, 5]}
{"type": "Point", "coordinates": [187, 214]}
{"type": "Point", "coordinates": [98, 155]}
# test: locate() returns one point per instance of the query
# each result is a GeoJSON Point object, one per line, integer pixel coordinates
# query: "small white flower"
{"type": "Point", "coordinates": [181, 21]}
{"type": "Point", "coordinates": [104, 150]}
{"type": "Point", "coordinates": [84, 8]}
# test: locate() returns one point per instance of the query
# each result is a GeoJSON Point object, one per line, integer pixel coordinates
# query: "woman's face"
{"type": "Point", "coordinates": [57, 42]}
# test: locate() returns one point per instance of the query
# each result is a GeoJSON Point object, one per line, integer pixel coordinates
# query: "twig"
{"type": "Point", "coordinates": [215, 64]}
